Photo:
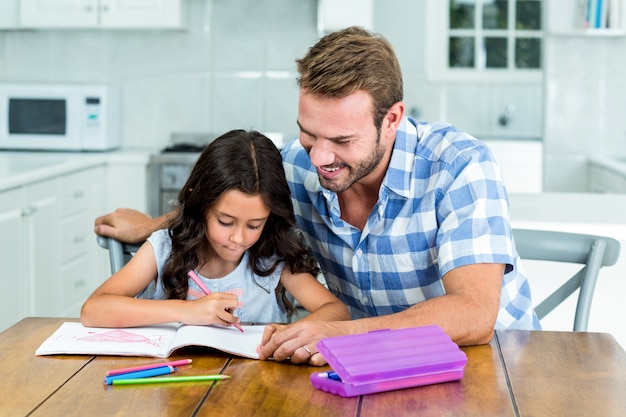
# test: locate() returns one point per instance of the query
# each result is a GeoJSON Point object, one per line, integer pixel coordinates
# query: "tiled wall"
{"type": "Point", "coordinates": [585, 101]}
{"type": "Point", "coordinates": [233, 67]}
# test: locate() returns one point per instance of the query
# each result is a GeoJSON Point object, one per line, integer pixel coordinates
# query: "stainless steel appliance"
{"type": "Point", "coordinates": [168, 171]}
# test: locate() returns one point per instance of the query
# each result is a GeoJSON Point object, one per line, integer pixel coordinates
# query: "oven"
{"type": "Point", "coordinates": [168, 170]}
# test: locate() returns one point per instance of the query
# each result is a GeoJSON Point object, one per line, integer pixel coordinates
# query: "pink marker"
{"type": "Point", "coordinates": [206, 291]}
{"type": "Point", "coordinates": [145, 367]}
{"type": "Point", "coordinates": [199, 282]}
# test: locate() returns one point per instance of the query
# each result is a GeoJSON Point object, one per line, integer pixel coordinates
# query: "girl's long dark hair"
{"type": "Point", "coordinates": [249, 162]}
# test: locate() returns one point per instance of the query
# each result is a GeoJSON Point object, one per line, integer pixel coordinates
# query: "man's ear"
{"type": "Point", "coordinates": [392, 119]}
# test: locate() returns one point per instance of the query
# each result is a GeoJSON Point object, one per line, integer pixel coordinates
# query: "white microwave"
{"type": "Point", "coordinates": [63, 117]}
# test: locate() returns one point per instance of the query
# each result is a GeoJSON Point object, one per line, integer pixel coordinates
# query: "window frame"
{"type": "Point", "coordinates": [438, 33]}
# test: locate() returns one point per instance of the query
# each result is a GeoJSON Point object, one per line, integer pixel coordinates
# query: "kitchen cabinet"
{"type": "Point", "coordinates": [29, 223]}
{"type": "Point", "coordinates": [14, 293]}
{"type": "Point", "coordinates": [605, 179]}
{"type": "Point", "coordinates": [112, 14]}
{"type": "Point", "coordinates": [79, 259]}
{"type": "Point", "coordinates": [49, 259]}
{"type": "Point", "coordinates": [521, 162]}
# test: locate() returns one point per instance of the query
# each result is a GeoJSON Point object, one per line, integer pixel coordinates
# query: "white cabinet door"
{"type": "Point", "coordinates": [100, 13]}
{"type": "Point", "coordinates": [521, 163]}
{"type": "Point", "coordinates": [59, 13]}
{"type": "Point", "coordinates": [14, 298]}
{"type": "Point", "coordinates": [29, 254]}
{"type": "Point", "coordinates": [141, 13]}
{"type": "Point", "coordinates": [42, 232]}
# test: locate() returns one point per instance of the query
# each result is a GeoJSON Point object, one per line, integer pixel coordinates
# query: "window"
{"type": "Point", "coordinates": [485, 39]}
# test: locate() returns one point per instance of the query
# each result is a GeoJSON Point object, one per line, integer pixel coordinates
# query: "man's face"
{"type": "Point", "coordinates": [341, 139]}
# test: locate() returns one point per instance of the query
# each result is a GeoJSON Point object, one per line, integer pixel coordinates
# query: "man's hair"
{"type": "Point", "coordinates": [344, 62]}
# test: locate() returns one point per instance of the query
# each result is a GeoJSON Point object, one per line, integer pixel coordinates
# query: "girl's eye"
{"type": "Point", "coordinates": [254, 227]}
{"type": "Point", "coordinates": [223, 223]}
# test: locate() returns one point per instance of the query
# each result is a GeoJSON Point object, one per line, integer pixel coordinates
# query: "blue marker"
{"type": "Point", "coordinates": [330, 375]}
{"type": "Point", "coordinates": [163, 370]}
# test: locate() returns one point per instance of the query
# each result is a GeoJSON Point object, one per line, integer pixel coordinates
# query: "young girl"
{"type": "Point", "coordinates": [234, 229]}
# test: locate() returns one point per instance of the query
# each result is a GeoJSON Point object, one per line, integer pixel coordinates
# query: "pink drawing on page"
{"type": "Point", "coordinates": [121, 336]}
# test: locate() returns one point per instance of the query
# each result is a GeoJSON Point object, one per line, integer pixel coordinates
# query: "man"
{"type": "Point", "coordinates": [409, 221]}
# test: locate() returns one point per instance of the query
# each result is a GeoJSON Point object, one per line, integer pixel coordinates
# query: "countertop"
{"type": "Point", "coordinates": [18, 168]}
{"type": "Point", "coordinates": [555, 207]}
{"type": "Point", "coordinates": [588, 213]}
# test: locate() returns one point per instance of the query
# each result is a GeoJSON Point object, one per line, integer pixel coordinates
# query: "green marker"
{"type": "Point", "coordinates": [191, 378]}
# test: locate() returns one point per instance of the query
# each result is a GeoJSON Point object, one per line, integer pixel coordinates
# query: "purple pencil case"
{"type": "Point", "coordinates": [386, 360]}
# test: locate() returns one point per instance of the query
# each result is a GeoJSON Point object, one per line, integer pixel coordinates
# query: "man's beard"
{"type": "Point", "coordinates": [355, 173]}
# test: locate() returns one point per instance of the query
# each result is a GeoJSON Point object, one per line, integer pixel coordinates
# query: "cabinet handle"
{"type": "Point", "coordinates": [78, 194]}
{"type": "Point", "coordinates": [29, 210]}
{"type": "Point", "coordinates": [79, 284]}
{"type": "Point", "coordinates": [79, 239]}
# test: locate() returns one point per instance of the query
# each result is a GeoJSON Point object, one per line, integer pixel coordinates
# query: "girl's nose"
{"type": "Point", "coordinates": [236, 235]}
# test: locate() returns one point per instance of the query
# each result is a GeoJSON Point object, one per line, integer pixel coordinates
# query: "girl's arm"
{"type": "Point", "coordinates": [313, 296]}
{"type": "Point", "coordinates": [113, 304]}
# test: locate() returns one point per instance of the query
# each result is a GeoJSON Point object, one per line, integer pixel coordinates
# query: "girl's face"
{"type": "Point", "coordinates": [235, 223]}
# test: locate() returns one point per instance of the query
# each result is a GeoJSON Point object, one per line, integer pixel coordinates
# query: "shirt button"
{"type": "Point", "coordinates": [365, 300]}
{"type": "Point", "coordinates": [359, 252]}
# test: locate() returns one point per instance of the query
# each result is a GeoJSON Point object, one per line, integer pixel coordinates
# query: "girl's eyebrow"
{"type": "Point", "coordinates": [221, 213]}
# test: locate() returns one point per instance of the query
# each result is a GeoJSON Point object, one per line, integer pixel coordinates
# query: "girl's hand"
{"type": "Point", "coordinates": [215, 308]}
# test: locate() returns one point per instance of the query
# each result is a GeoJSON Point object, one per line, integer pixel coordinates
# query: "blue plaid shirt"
{"type": "Point", "coordinates": [442, 205]}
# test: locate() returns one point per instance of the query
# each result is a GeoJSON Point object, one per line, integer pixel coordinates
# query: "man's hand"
{"type": "Point", "coordinates": [128, 225]}
{"type": "Point", "coordinates": [296, 342]}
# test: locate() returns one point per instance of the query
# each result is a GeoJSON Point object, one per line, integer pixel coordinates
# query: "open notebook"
{"type": "Point", "coordinates": [155, 341]}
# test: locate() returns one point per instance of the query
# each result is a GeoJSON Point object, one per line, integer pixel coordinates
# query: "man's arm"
{"type": "Point", "coordinates": [128, 225]}
{"type": "Point", "coordinates": [467, 313]}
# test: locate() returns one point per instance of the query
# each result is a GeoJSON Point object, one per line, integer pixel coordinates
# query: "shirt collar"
{"type": "Point", "coordinates": [401, 166]}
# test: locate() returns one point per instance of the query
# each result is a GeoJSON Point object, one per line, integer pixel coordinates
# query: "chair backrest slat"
{"type": "Point", "coordinates": [590, 251]}
{"type": "Point", "coordinates": [119, 252]}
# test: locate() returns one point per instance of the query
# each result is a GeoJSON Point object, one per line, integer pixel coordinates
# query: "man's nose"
{"type": "Point", "coordinates": [321, 153]}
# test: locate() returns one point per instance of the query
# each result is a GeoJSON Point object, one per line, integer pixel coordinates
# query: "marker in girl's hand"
{"type": "Point", "coordinates": [206, 291]}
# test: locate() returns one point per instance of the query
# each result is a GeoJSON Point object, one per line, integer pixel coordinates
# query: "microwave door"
{"type": "Point", "coordinates": [41, 123]}
{"type": "Point", "coordinates": [37, 116]}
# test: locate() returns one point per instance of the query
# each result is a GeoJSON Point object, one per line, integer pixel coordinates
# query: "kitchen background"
{"type": "Point", "coordinates": [231, 65]}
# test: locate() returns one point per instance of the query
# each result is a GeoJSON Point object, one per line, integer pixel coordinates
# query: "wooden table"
{"type": "Point", "coordinates": [519, 373]}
